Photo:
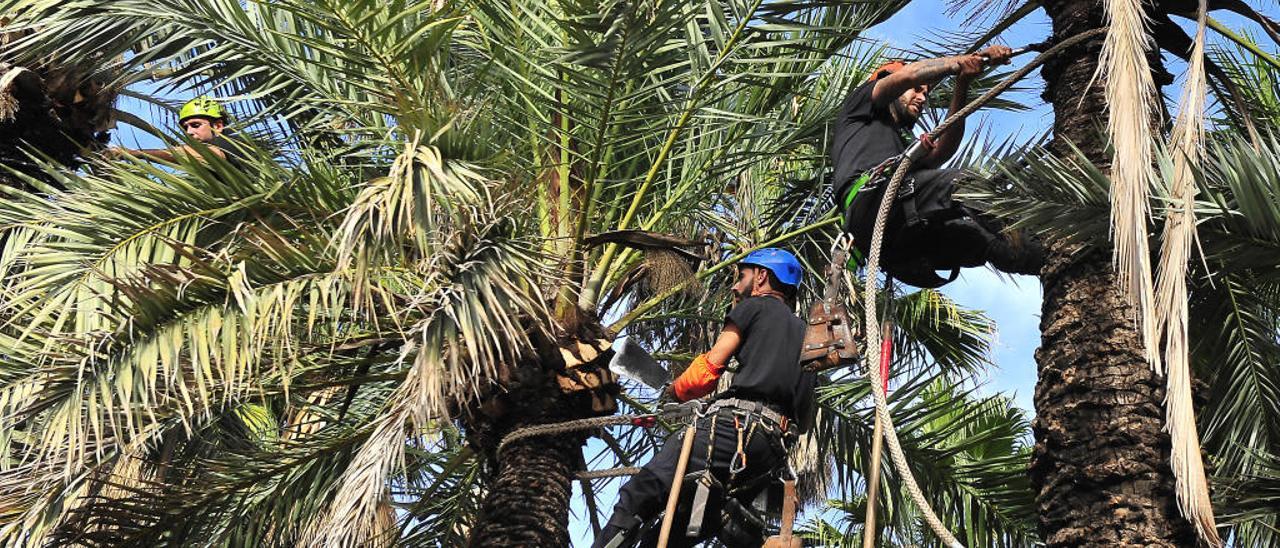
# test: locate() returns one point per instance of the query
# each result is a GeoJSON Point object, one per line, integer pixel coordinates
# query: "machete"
{"type": "Point", "coordinates": [631, 360]}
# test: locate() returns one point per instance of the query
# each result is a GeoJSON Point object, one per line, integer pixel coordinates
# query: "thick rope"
{"type": "Point", "coordinates": [609, 473]}
{"type": "Point", "coordinates": [555, 428]}
{"type": "Point", "coordinates": [578, 425]}
{"type": "Point", "coordinates": [873, 269]}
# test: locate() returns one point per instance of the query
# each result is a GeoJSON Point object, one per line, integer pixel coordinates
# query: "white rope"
{"type": "Point", "coordinates": [896, 455]}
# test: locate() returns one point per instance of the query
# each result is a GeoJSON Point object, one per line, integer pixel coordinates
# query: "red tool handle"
{"type": "Point", "coordinates": [886, 352]}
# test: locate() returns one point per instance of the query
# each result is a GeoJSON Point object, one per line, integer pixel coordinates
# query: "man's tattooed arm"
{"type": "Point", "coordinates": [923, 72]}
{"type": "Point", "coordinates": [930, 71]}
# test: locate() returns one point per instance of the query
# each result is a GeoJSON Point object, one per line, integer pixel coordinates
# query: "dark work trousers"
{"type": "Point", "coordinates": [644, 497]}
{"type": "Point", "coordinates": [933, 188]}
{"type": "Point", "coordinates": [952, 244]}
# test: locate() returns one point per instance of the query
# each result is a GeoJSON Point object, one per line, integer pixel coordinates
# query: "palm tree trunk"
{"type": "Point", "coordinates": [528, 501]}
{"type": "Point", "coordinates": [1101, 461]}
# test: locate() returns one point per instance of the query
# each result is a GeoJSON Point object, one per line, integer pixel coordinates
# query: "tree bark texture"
{"type": "Point", "coordinates": [526, 501]}
{"type": "Point", "coordinates": [1101, 460]}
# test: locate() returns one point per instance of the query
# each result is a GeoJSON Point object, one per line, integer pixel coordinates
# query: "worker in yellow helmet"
{"type": "Point", "coordinates": [203, 120]}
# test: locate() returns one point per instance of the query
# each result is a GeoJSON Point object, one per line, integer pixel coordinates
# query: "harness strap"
{"type": "Point", "coordinates": [697, 514]}
{"type": "Point", "coordinates": [704, 481]}
{"type": "Point", "coordinates": [749, 406]}
{"type": "Point", "coordinates": [918, 270]}
{"type": "Point", "coordinates": [907, 197]}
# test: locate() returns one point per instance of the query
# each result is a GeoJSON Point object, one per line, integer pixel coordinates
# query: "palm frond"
{"type": "Point", "coordinates": [1130, 94]}
{"type": "Point", "coordinates": [1170, 304]}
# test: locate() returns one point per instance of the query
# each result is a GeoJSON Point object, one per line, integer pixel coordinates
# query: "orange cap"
{"type": "Point", "coordinates": [886, 69]}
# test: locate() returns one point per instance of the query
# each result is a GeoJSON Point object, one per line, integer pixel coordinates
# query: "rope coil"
{"type": "Point", "coordinates": [873, 269]}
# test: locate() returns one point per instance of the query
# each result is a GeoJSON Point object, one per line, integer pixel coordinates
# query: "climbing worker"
{"type": "Point", "coordinates": [739, 446]}
{"type": "Point", "coordinates": [927, 229]}
{"type": "Point", "coordinates": [204, 121]}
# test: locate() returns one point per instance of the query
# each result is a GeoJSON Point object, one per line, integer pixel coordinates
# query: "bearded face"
{"type": "Point", "coordinates": [906, 110]}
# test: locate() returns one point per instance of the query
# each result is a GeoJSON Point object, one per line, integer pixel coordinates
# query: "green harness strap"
{"type": "Point", "coordinates": [855, 257]}
{"type": "Point", "coordinates": [853, 190]}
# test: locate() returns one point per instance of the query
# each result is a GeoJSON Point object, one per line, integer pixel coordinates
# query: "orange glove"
{"type": "Point", "coordinates": [698, 380]}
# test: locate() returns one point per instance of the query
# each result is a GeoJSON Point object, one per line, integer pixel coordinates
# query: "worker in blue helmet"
{"type": "Point", "coordinates": [740, 446]}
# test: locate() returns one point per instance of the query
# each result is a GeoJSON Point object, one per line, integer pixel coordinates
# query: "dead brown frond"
{"type": "Point", "coordinates": [1130, 94]}
{"type": "Point", "coordinates": [1171, 297]}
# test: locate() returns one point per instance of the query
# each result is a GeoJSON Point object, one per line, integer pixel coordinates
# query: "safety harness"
{"type": "Point", "coordinates": [748, 417]}
{"type": "Point", "coordinates": [917, 268]}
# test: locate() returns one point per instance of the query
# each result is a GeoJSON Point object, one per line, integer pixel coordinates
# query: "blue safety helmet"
{"type": "Point", "coordinates": [780, 262]}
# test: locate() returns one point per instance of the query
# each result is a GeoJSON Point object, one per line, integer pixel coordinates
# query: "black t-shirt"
{"type": "Point", "coordinates": [865, 135]}
{"type": "Point", "coordinates": [231, 148]}
{"type": "Point", "coordinates": [769, 358]}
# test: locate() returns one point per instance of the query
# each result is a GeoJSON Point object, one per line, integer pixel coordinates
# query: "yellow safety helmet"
{"type": "Point", "coordinates": [201, 106]}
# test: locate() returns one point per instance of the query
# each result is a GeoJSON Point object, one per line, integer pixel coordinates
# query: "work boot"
{"type": "Point", "coordinates": [1016, 253]}
{"type": "Point", "coordinates": [620, 532]}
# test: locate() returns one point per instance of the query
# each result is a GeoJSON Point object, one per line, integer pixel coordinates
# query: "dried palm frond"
{"type": "Point", "coordinates": [1171, 297]}
{"type": "Point", "coordinates": [9, 77]}
{"type": "Point", "coordinates": [1130, 92]}
{"type": "Point", "coordinates": [813, 468]}
{"type": "Point", "coordinates": [668, 260]}
{"type": "Point", "coordinates": [667, 269]}
{"type": "Point", "coordinates": [356, 514]}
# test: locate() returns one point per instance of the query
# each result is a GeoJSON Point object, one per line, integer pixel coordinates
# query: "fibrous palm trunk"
{"type": "Point", "coordinates": [526, 500]}
{"type": "Point", "coordinates": [1101, 461]}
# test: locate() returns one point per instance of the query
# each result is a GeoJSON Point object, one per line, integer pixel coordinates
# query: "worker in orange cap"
{"type": "Point", "coordinates": [927, 230]}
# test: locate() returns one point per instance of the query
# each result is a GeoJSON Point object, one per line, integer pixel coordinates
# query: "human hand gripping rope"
{"type": "Point", "coordinates": [916, 151]}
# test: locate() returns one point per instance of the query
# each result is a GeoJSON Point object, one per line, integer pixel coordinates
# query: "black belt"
{"type": "Point", "coordinates": [771, 412]}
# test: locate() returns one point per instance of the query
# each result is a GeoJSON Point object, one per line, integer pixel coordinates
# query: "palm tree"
{"type": "Point", "coordinates": [975, 446]}
{"type": "Point", "coordinates": [284, 347]}
{"type": "Point", "coordinates": [1081, 434]}
{"type": "Point", "coordinates": [285, 353]}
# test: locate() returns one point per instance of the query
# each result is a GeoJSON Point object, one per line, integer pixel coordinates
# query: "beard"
{"type": "Point", "coordinates": [902, 115]}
